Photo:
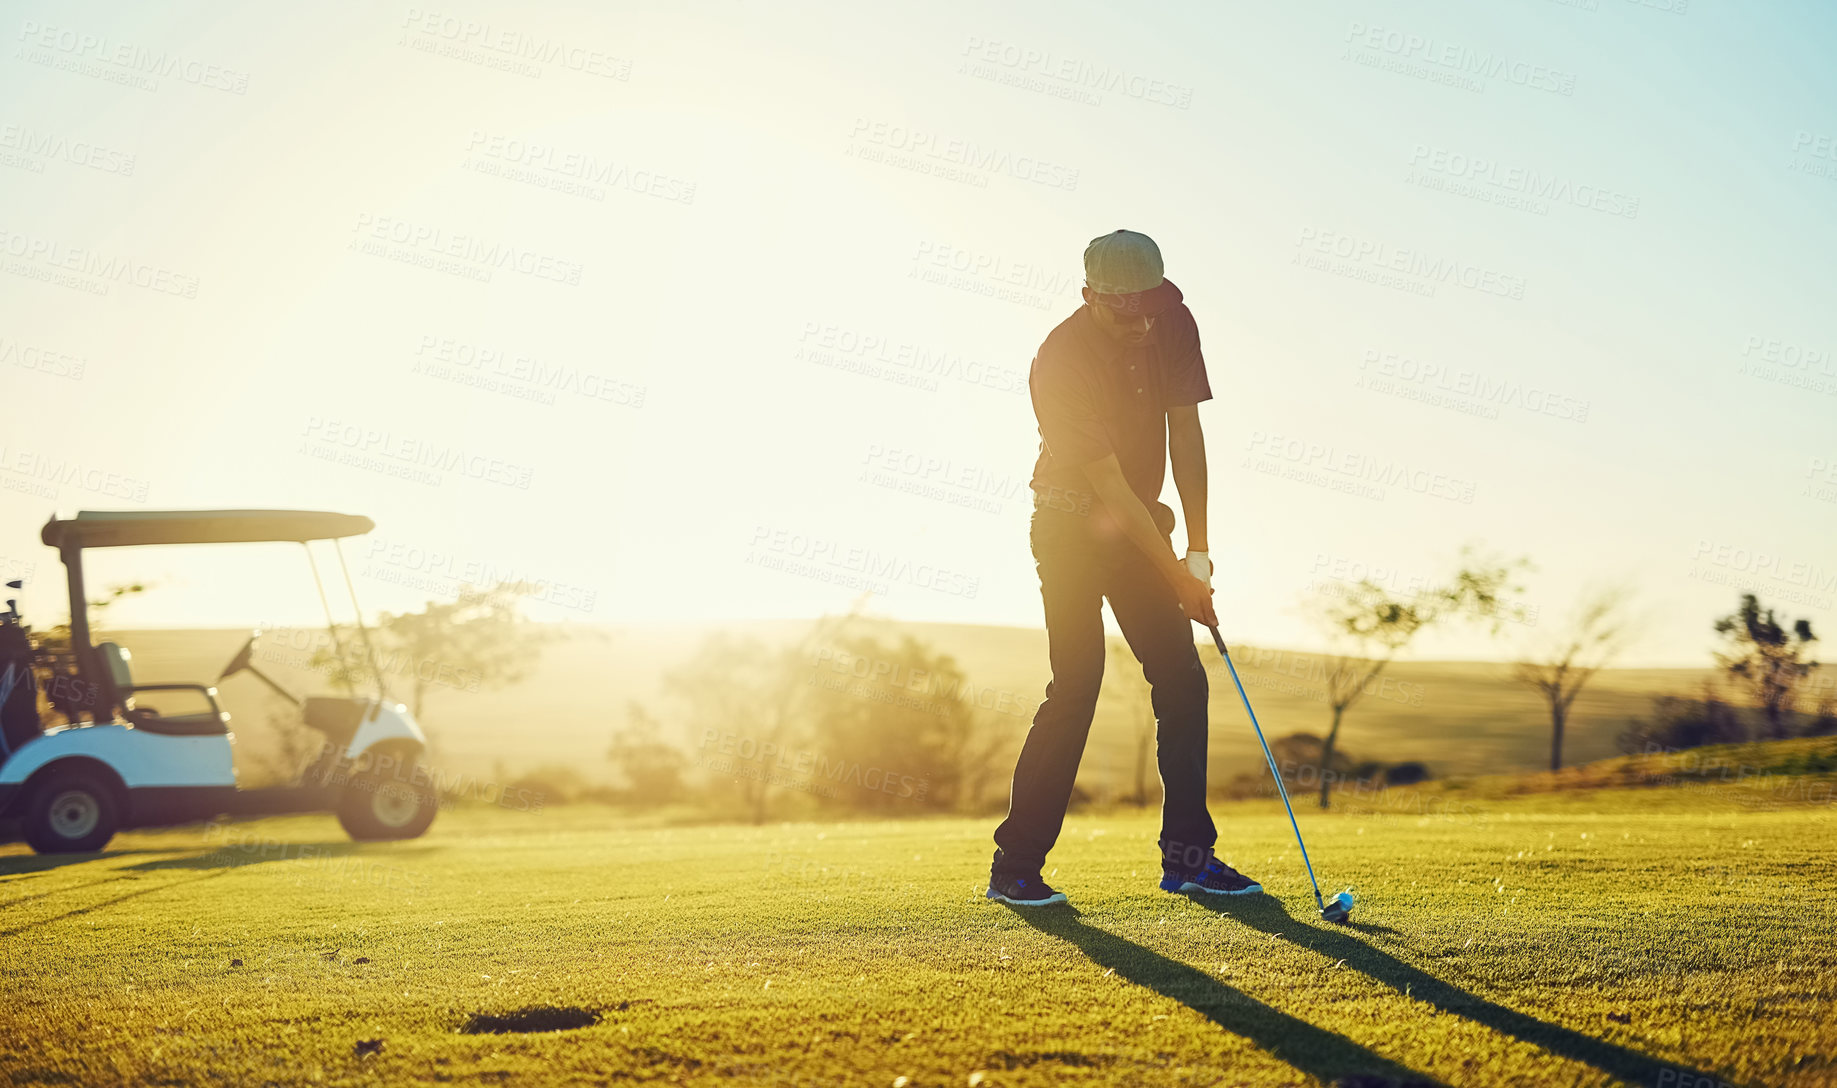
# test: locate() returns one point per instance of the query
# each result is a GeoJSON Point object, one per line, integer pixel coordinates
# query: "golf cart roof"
{"type": "Point", "coordinates": [118, 528]}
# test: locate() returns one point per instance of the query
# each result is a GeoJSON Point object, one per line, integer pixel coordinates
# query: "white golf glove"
{"type": "Point", "coordinates": [1200, 564]}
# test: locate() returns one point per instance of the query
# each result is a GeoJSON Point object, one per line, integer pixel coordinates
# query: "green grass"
{"type": "Point", "coordinates": [1610, 937]}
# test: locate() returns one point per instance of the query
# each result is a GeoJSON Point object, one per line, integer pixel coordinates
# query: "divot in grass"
{"type": "Point", "coordinates": [530, 1020]}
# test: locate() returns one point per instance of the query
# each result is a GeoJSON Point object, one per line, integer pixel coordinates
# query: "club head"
{"type": "Point", "coordinates": [1338, 907]}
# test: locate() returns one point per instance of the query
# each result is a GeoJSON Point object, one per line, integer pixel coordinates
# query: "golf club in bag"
{"type": "Point", "coordinates": [1341, 904]}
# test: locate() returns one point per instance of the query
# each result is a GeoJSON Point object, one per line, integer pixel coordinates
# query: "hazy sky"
{"type": "Point", "coordinates": [725, 309]}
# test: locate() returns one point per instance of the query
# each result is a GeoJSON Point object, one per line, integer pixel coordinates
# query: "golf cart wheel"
{"type": "Point", "coordinates": [376, 808]}
{"type": "Point", "coordinates": [71, 812]}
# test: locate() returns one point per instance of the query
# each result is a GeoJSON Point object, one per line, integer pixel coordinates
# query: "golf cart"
{"type": "Point", "coordinates": [115, 762]}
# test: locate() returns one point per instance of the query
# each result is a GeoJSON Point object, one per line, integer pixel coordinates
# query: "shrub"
{"type": "Point", "coordinates": [1678, 721]}
{"type": "Point", "coordinates": [1406, 774]}
{"type": "Point", "coordinates": [553, 784]}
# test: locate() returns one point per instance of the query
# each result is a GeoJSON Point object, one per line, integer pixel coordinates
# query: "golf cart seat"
{"type": "Point", "coordinates": [208, 723]}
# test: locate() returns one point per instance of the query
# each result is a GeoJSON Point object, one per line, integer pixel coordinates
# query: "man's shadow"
{"type": "Point", "coordinates": [205, 863]}
{"type": "Point", "coordinates": [1266, 914]}
{"type": "Point", "coordinates": [1321, 1054]}
{"type": "Point", "coordinates": [16, 867]}
{"type": "Point", "coordinates": [241, 857]}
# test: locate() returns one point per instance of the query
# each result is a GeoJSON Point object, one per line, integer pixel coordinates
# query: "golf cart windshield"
{"type": "Point", "coordinates": [121, 528]}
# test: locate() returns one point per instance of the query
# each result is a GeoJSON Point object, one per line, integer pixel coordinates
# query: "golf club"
{"type": "Point", "coordinates": [1340, 906]}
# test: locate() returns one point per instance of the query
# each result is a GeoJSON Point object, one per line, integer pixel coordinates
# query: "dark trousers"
{"type": "Point", "coordinates": [1083, 560]}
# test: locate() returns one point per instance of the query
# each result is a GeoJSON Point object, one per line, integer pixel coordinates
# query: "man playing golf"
{"type": "Point", "coordinates": [1116, 390]}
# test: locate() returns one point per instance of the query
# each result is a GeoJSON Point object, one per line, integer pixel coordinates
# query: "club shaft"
{"type": "Point", "coordinates": [1274, 771]}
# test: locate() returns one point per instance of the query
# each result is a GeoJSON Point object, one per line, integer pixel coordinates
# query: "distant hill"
{"type": "Point", "coordinates": [1460, 718]}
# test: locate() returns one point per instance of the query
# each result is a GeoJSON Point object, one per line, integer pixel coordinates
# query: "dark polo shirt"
{"type": "Point", "coordinates": [1094, 397]}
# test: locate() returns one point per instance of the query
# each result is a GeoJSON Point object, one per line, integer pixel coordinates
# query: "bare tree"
{"type": "Point", "coordinates": [1374, 625]}
{"type": "Point", "coordinates": [1599, 630]}
{"type": "Point", "coordinates": [1349, 676]}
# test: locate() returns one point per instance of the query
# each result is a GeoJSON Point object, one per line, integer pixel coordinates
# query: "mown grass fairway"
{"type": "Point", "coordinates": [1641, 937]}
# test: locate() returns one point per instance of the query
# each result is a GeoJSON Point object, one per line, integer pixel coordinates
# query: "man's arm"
{"type": "Point", "coordinates": [1106, 476]}
{"type": "Point", "coordinates": [1186, 449]}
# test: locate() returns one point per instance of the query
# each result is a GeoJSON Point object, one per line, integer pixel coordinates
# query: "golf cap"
{"type": "Point", "coordinates": [1124, 269]}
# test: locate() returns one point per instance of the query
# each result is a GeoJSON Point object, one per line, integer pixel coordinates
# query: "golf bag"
{"type": "Point", "coordinates": [18, 687]}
